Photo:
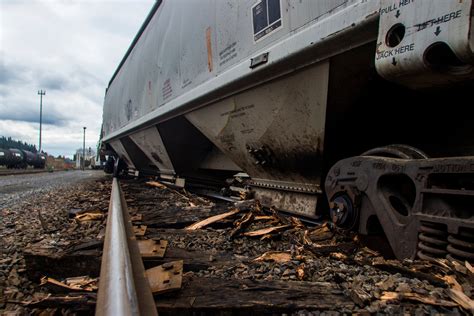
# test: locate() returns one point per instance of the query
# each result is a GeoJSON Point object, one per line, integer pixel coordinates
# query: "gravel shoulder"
{"type": "Point", "coordinates": [14, 188]}
{"type": "Point", "coordinates": [34, 214]}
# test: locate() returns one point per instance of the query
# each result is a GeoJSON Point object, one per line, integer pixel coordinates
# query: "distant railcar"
{"type": "Point", "coordinates": [17, 159]}
{"type": "Point", "coordinates": [21, 159]}
{"type": "Point", "coordinates": [4, 156]}
{"type": "Point", "coordinates": [38, 161]}
{"type": "Point", "coordinates": [306, 97]}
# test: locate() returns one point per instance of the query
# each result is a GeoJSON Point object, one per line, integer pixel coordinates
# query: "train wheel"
{"type": "Point", "coordinates": [343, 212]}
{"type": "Point", "coordinates": [343, 209]}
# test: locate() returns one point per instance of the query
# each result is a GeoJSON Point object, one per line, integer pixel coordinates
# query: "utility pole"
{"type": "Point", "coordinates": [41, 93]}
{"type": "Point", "coordinates": [84, 150]}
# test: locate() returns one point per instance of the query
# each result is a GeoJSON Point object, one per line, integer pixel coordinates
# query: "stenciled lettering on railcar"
{"type": "Point", "coordinates": [167, 90]}
{"type": "Point", "coordinates": [186, 82]}
{"type": "Point", "coordinates": [266, 18]}
{"type": "Point", "coordinates": [394, 52]}
{"type": "Point", "coordinates": [227, 54]}
{"type": "Point", "coordinates": [379, 165]}
{"type": "Point", "coordinates": [439, 20]}
{"type": "Point", "coordinates": [395, 6]}
{"type": "Point", "coordinates": [228, 141]}
{"type": "Point", "coordinates": [398, 168]}
{"type": "Point", "coordinates": [238, 112]}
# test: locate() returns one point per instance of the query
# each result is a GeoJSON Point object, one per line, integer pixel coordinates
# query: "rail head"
{"type": "Point", "coordinates": [123, 288]}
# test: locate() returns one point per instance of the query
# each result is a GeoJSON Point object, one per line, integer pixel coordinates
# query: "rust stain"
{"type": "Point", "coordinates": [209, 48]}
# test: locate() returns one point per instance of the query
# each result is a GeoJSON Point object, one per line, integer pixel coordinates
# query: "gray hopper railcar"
{"type": "Point", "coordinates": [356, 109]}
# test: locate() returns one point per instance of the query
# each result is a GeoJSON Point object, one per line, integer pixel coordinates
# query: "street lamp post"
{"type": "Point", "coordinates": [41, 93]}
{"type": "Point", "coordinates": [84, 150]}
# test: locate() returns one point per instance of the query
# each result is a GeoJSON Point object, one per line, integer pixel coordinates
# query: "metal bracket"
{"type": "Point", "coordinates": [259, 60]}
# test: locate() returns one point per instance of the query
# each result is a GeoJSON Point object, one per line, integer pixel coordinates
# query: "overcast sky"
{"type": "Point", "coordinates": [70, 48]}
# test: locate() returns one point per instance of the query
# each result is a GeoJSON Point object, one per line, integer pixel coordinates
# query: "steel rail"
{"type": "Point", "coordinates": [123, 287]}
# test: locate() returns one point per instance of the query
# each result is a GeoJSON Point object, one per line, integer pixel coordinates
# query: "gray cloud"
{"type": "Point", "coordinates": [10, 73]}
{"type": "Point", "coordinates": [70, 49]}
{"type": "Point", "coordinates": [51, 117]}
{"type": "Point", "coordinates": [51, 82]}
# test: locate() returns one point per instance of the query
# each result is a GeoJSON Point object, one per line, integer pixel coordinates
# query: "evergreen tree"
{"type": "Point", "coordinates": [7, 143]}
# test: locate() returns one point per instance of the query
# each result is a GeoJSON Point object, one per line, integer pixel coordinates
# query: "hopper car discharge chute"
{"type": "Point", "coordinates": [351, 109]}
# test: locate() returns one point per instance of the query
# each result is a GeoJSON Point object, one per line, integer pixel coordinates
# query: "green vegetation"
{"type": "Point", "coordinates": [7, 143]}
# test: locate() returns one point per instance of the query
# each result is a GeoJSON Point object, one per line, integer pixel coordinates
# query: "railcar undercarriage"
{"type": "Point", "coordinates": [308, 113]}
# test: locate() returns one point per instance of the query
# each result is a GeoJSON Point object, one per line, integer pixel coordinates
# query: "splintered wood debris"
{"type": "Point", "coordinates": [157, 184]}
{"type": "Point", "coordinates": [469, 267]}
{"type": "Point", "coordinates": [394, 296]}
{"type": "Point", "coordinates": [275, 256]}
{"type": "Point", "coordinates": [41, 236]}
{"type": "Point", "coordinates": [242, 223]}
{"type": "Point", "coordinates": [212, 219]}
{"type": "Point", "coordinates": [462, 299]}
{"type": "Point", "coordinates": [286, 249]}
{"type": "Point", "coordinates": [265, 231]}
{"type": "Point", "coordinates": [255, 258]}
{"type": "Point", "coordinates": [82, 283]}
{"type": "Point", "coordinates": [89, 216]}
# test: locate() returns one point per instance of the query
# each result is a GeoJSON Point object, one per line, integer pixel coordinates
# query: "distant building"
{"type": "Point", "coordinates": [59, 163]}
{"type": "Point", "coordinates": [89, 157]}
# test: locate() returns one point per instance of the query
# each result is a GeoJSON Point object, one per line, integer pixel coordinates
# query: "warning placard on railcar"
{"type": "Point", "coordinates": [266, 15]}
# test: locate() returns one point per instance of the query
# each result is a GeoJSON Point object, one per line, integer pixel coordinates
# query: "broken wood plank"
{"type": "Point", "coordinates": [360, 297]}
{"type": "Point", "coordinates": [462, 299]}
{"type": "Point", "coordinates": [252, 297]}
{"type": "Point", "coordinates": [263, 218]}
{"type": "Point", "coordinates": [300, 271]}
{"type": "Point", "coordinates": [344, 247]}
{"type": "Point", "coordinates": [83, 302]}
{"type": "Point", "coordinates": [265, 231]}
{"type": "Point", "coordinates": [453, 283]}
{"type": "Point", "coordinates": [194, 260]}
{"type": "Point", "coordinates": [165, 278]}
{"type": "Point", "coordinates": [322, 232]}
{"type": "Point", "coordinates": [339, 256]}
{"type": "Point", "coordinates": [211, 220]}
{"type": "Point", "coordinates": [150, 249]}
{"type": "Point", "coordinates": [391, 296]}
{"type": "Point", "coordinates": [164, 187]}
{"type": "Point", "coordinates": [157, 184]}
{"type": "Point", "coordinates": [87, 245]}
{"type": "Point", "coordinates": [243, 223]}
{"type": "Point", "coordinates": [178, 218]}
{"type": "Point", "coordinates": [81, 284]}
{"type": "Point", "coordinates": [296, 222]}
{"type": "Point", "coordinates": [41, 262]}
{"type": "Point", "coordinates": [89, 216]}
{"type": "Point", "coordinates": [395, 267]}
{"type": "Point", "coordinates": [276, 256]}
{"type": "Point", "coordinates": [469, 267]}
